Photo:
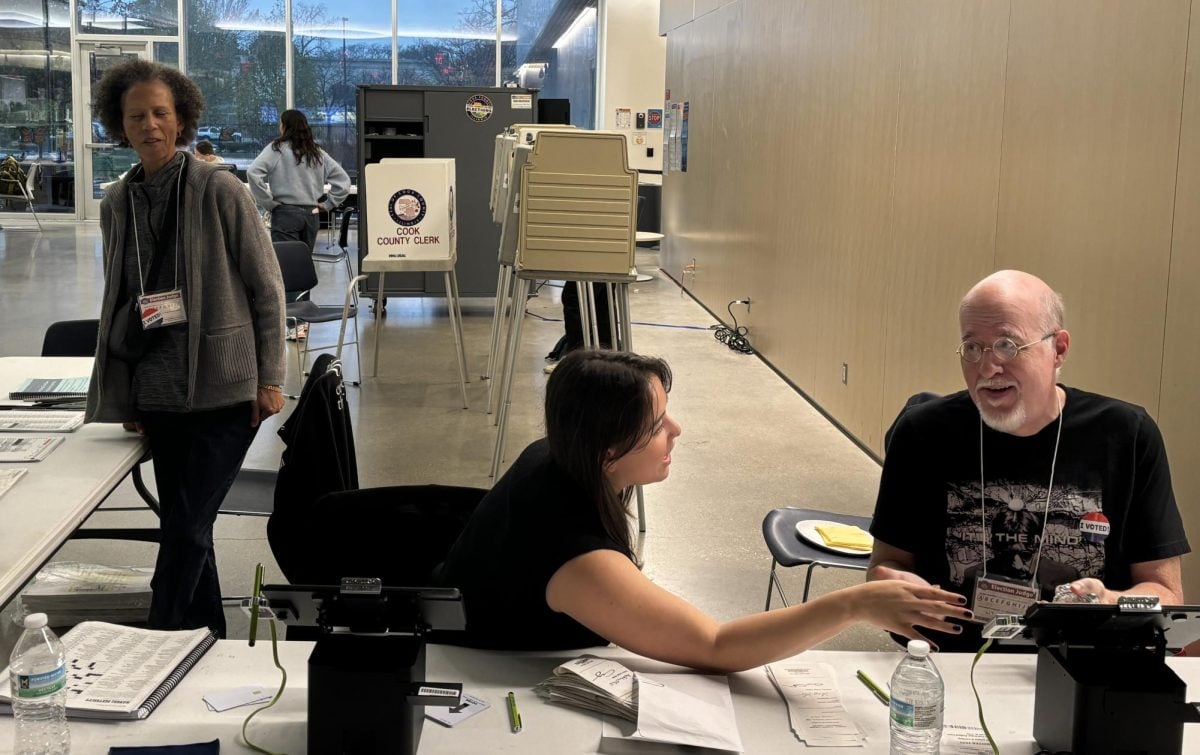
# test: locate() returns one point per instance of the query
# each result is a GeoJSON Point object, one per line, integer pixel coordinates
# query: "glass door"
{"type": "Point", "coordinates": [102, 162]}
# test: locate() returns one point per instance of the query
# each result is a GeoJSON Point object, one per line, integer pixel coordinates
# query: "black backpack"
{"type": "Point", "coordinates": [12, 178]}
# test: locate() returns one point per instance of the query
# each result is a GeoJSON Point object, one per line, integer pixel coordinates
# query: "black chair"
{"type": "Point", "coordinates": [324, 527]}
{"type": "Point", "coordinates": [71, 338]}
{"type": "Point", "coordinates": [788, 548]}
{"type": "Point", "coordinates": [77, 338]}
{"type": "Point", "coordinates": [299, 278]}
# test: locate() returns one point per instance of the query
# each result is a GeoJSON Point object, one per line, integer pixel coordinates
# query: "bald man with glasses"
{"type": "Point", "coordinates": [1017, 485]}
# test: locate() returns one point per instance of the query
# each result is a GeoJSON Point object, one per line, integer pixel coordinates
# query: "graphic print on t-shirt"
{"type": "Point", "coordinates": [1014, 512]}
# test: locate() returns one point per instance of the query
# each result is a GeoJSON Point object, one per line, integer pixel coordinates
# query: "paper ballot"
{"type": "Point", "coordinates": [681, 709]}
{"type": "Point", "coordinates": [814, 704]}
{"type": "Point", "coordinates": [686, 709]}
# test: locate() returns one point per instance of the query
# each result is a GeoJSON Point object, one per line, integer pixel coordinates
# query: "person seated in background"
{"type": "Point", "coordinates": [1018, 484]}
{"type": "Point", "coordinates": [547, 559]}
{"type": "Point", "coordinates": [205, 152]}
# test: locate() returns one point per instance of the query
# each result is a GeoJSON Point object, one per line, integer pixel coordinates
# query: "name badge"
{"type": "Point", "coordinates": [161, 309]}
{"type": "Point", "coordinates": [994, 596]}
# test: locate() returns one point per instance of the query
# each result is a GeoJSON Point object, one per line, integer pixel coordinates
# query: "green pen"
{"type": "Point", "coordinates": [870, 684]}
{"type": "Point", "coordinates": [514, 718]}
{"type": "Point", "coordinates": [255, 601]}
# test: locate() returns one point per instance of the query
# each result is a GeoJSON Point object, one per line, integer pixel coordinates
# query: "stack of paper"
{"type": "Point", "coordinates": [814, 704]}
{"type": "Point", "coordinates": [26, 448]}
{"type": "Point", "coordinates": [682, 709]}
{"type": "Point", "coordinates": [40, 420]}
{"type": "Point", "coordinates": [593, 684]}
{"type": "Point", "coordinates": [70, 592]}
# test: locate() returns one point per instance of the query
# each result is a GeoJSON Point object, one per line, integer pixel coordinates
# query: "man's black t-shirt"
{"type": "Point", "coordinates": [532, 522]}
{"type": "Point", "coordinates": [1111, 503]}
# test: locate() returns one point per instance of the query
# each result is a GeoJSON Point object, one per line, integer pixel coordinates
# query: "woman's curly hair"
{"type": "Point", "coordinates": [110, 92]}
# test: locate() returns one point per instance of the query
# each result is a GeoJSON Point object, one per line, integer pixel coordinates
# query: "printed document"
{"type": "Point", "coordinates": [814, 704]}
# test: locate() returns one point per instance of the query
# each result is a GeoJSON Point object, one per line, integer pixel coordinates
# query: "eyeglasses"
{"type": "Point", "coordinates": [1005, 349]}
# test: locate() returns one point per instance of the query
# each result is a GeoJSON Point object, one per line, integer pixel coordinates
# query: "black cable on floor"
{"type": "Point", "coordinates": [735, 337]}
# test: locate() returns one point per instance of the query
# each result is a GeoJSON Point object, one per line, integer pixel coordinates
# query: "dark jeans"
{"type": "Point", "coordinates": [295, 223]}
{"type": "Point", "coordinates": [196, 457]}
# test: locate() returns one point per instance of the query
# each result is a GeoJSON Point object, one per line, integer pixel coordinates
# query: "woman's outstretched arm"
{"type": "Point", "coordinates": [605, 592]}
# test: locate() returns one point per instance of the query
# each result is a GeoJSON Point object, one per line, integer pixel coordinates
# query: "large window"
{"type": "Point", "coordinates": [332, 55]}
{"type": "Point", "coordinates": [236, 51]}
{"type": "Point", "coordinates": [235, 54]}
{"type": "Point", "coordinates": [157, 17]}
{"type": "Point", "coordinates": [452, 43]}
{"type": "Point", "coordinates": [35, 98]}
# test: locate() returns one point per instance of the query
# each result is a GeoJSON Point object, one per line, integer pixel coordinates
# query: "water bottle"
{"type": "Point", "coordinates": [917, 697]}
{"type": "Point", "coordinates": [39, 691]}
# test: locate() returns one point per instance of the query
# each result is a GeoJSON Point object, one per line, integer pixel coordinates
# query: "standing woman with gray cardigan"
{"type": "Point", "coordinates": [288, 179]}
{"type": "Point", "coordinates": [191, 348]}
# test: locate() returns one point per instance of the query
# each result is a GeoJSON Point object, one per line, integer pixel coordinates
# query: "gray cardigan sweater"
{"type": "Point", "coordinates": [235, 301]}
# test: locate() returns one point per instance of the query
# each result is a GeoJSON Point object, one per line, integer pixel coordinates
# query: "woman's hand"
{"type": "Point", "coordinates": [900, 607]}
{"type": "Point", "coordinates": [269, 401]}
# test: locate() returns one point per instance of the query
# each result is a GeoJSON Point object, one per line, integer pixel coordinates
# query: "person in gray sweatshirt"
{"type": "Point", "coordinates": [288, 180]}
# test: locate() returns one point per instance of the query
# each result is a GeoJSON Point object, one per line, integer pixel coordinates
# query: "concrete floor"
{"type": "Point", "coordinates": [750, 443]}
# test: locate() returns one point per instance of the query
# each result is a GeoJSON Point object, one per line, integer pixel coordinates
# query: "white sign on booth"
{"type": "Point", "coordinates": [410, 213]}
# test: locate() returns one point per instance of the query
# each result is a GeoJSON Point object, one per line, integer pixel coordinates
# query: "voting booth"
{"type": "Point", "coordinates": [574, 215]}
{"type": "Point", "coordinates": [579, 204]}
{"type": "Point", "coordinates": [411, 208]}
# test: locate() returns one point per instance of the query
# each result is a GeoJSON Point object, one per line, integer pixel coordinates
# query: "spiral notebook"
{"type": "Point", "coordinates": [122, 673]}
{"type": "Point", "coordinates": [34, 389]}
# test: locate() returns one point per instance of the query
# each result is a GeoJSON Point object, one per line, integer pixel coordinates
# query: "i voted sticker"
{"type": "Point", "coordinates": [1094, 527]}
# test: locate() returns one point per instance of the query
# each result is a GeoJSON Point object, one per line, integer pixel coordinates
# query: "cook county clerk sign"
{"type": "Point", "coordinates": [410, 213]}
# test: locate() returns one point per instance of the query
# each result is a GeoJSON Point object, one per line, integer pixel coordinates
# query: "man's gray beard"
{"type": "Point", "coordinates": [1004, 423]}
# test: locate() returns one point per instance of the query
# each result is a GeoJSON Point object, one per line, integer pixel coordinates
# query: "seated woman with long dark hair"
{"type": "Point", "coordinates": [546, 560]}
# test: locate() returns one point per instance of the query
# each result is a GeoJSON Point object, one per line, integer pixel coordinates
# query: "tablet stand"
{"type": "Point", "coordinates": [1102, 682]}
{"type": "Point", "coordinates": [366, 675]}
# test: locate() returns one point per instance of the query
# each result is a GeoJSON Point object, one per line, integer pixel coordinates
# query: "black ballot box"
{"type": "Point", "coordinates": [358, 695]}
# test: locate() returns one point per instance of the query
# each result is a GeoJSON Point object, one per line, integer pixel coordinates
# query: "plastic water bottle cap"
{"type": "Point", "coordinates": [918, 648]}
{"type": "Point", "coordinates": [36, 621]}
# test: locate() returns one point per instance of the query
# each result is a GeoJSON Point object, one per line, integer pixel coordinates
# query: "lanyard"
{"type": "Point", "coordinates": [136, 242]}
{"type": "Point", "coordinates": [1049, 489]}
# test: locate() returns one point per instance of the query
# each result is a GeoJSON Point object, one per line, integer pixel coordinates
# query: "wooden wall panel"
{"type": "Point", "coordinates": [774, 38]}
{"type": "Point", "coordinates": [1179, 409]}
{"type": "Point", "coordinates": [952, 67]}
{"type": "Point", "coordinates": [674, 196]}
{"type": "Point", "coordinates": [674, 14]}
{"type": "Point", "coordinates": [855, 165]}
{"type": "Point", "coordinates": [716, 128]}
{"type": "Point", "coordinates": [851, 269]}
{"type": "Point", "coordinates": [799, 116]}
{"type": "Point", "coordinates": [1091, 135]}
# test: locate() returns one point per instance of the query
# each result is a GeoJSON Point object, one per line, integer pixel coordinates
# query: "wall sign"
{"type": "Point", "coordinates": [479, 107]}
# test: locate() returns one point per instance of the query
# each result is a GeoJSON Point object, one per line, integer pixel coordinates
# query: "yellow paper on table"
{"type": "Point", "coordinates": [845, 536]}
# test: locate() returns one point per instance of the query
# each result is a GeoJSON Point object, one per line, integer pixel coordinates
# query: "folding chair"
{"type": "Point", "coordinates": [299, 278]}
{"type": "Point", "coordinates": [26, 195]}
